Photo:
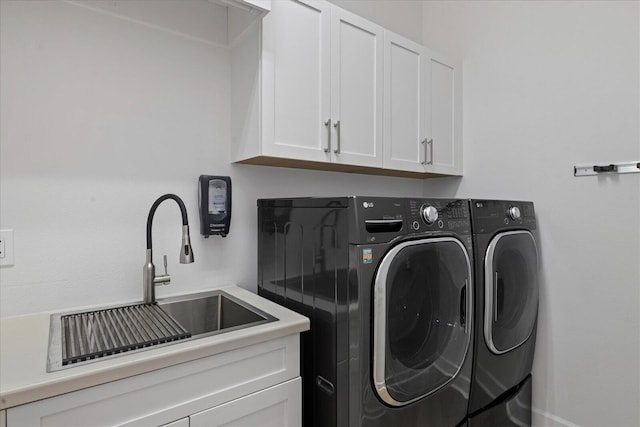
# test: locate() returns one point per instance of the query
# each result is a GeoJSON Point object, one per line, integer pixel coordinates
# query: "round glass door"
{"type": "Point", "coordinates": [422, 313]}
{"type": "Point", "coordinates": [511, 290]}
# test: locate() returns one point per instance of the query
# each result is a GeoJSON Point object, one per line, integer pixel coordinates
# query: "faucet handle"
{"type": "Point", "coordinates": [165, 279]}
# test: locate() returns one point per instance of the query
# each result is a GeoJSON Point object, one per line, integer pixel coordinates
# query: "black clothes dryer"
{"type": "Point", "coordinates": [387, 285]}
{"type": "Point", "coordinates": [506, 304]}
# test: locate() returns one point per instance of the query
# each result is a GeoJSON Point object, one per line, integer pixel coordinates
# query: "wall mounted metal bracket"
{"type": "Point", "coordinates": [611, 168]}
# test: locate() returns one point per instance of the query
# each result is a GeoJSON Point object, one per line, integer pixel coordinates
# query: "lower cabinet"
{"type": "Point", "coordinates": [255, 385]}
{"type": "Point", "coordinates": [277, 406]}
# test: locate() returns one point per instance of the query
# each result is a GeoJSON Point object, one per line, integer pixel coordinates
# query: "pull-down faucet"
{"type": "Point", "coordinates": [149, 278]}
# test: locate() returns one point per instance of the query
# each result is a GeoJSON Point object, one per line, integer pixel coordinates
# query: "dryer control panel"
{"type": "Point", "coordinates": [492, 215]}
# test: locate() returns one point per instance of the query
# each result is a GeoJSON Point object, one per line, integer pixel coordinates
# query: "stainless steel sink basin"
{"type": "Point", "coordinates": [79, 337]}
{"type": "Point", "coordinates": [208, 315]}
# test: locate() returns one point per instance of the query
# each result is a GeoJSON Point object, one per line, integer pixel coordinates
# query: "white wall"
{"type": "Point", "coordinates": [549, 85]}
{"type": "Point", "coordinates": [104, 107]}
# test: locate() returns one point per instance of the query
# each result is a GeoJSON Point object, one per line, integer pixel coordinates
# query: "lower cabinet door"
{"type": "Point", "coordinates": [277, 406]}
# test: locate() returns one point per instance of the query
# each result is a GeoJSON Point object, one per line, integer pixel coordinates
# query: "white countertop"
{"type": "Point", "coordinates": [24, 346]}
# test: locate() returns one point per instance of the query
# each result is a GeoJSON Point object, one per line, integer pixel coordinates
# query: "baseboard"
{"type": "Point", "coordinates": [544, 419]}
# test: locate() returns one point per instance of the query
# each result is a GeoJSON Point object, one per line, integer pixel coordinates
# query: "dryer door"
{"type": "Point", "coordinates": [511, 290]}
{"type": "Point", "coordinates": [422, 306]}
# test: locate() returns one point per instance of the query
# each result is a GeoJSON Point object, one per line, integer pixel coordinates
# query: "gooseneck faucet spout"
{"type": "Point", "coordinates": [149, 278]}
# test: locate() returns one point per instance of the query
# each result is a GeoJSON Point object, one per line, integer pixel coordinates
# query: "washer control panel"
{"type": "Point", "coordinates": [381, 219]}
{"type": "Point", "coordinates": [514, 213]}
{"type": "Point", "coordinates": [429, 214]}
{"type": "Point", "coordinates": [440, 215]}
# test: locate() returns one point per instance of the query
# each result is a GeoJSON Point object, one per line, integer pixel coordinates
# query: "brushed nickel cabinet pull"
{"type": "Point", "coordinates": [327, 149]}
{"type": "Point", "coordinates": [430, 145]}
{"type": "Point", "coordinates": [424, 151]}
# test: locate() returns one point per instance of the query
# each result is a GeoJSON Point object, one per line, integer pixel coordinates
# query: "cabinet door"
{"type": "Point", "coordinates": [356, 89]}
{"type": "Point", "coordinates": [296, 67]}
{"type": "Point", "coordinates": [444, 115]}
{"type": "Point", "coordinates": [404, 104]}
{"type": "Point", "coordinates": [277, 406]}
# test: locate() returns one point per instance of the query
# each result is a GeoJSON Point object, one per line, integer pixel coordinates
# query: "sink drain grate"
{"type": "Point", "coordinates": [104, 332]}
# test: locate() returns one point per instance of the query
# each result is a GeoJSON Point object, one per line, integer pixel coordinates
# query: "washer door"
{"type": "Point", "coordinates": [422, 306]}
{"type": "Point", "coordinates": [511, 290]}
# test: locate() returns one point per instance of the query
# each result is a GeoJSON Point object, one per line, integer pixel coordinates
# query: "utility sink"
{"type": "Point", "coordinates": [79, 337]}
{"type": "Point", "coordinates": [215, 313]}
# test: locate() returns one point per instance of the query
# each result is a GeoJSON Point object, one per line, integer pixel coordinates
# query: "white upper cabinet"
{"type": "Point", "coordinates": [315, 86]}
{"type": "Point", "coordinates": [356, 90]}
{"type": "Point", "coordinates": [404, 104]}
{"type": "Point", "coordinates": [296, 81]}
{"type": "Point", "coordinates": [444, 115]}
{"type": "Point", "coordinates": [422, 114]}
{"type": "Point", "coordinates": [321, 86]}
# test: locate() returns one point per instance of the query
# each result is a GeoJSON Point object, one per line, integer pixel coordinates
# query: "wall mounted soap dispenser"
{"type": "Point", "coordinates": [214, 195]}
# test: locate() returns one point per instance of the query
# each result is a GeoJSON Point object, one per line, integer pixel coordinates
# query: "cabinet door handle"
{"type": "Point", "coordinates": [328, 125]}
{"type": "Point", "coordinates": [424, 151]}
{"type": "Point", "coordinates": [430, 145]}
{"type": "Point", "coordinates": [337, 126]}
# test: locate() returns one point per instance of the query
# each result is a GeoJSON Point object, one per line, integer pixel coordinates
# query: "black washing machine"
{"type": "Point", "coordinates": [387, 285]}
{"type": "Point", "coordinates": [506, 277]}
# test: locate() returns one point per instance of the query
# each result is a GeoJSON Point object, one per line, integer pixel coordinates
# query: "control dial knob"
{"type": "Point", "coordinates": [429, 214]}
{"type": "Point", "coordinates": [514, 212]}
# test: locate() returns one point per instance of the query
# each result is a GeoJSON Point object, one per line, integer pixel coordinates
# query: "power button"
{"type": "Point", "coordinates": [415, 225]}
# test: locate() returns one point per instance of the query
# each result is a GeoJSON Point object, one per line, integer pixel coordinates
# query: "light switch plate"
{"type": "Point", "coordinates": [6, 248]}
